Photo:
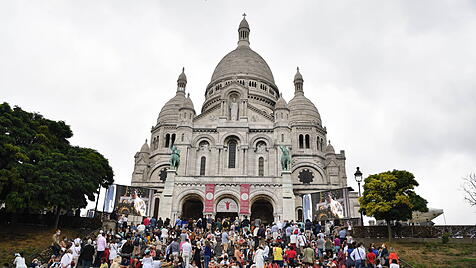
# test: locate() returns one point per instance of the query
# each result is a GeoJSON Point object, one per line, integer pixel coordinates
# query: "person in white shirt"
{"type": "Point", "coordinates": [147, 261]}
{"type": "Point", "coordinates": [113, 248]}
{"type": "Point", "coordinates": [394, 264]}
{"type": "Point", "coordinates": [19, 261]}
{"type": "Point", "coordinates": [141, 228]}
{"type": "Point", "coordinates": [358, 255]}
{"type": "Point", "coordinates": [76, 249]}
{"type": "Point", "coordinates": [186, 253]}
{"type": "Point", "coordinates": [265, 251]}
{"type": "Point", "coordinates": [164, 234]}
{"type": "Point", "coordinates": [67, 259]}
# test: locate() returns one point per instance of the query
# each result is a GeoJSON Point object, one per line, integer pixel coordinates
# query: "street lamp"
{"type": "Point", "coordinates": [358, 179]}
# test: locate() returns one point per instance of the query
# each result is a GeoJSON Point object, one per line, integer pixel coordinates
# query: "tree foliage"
{"type": "Point", "coordinates": [40, 169]}
{"type": "Point", "coordinates": [390, 196]}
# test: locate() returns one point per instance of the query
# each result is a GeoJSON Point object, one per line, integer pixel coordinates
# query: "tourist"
{"type": "Point", "coordinates": [392, 256]}
{"type": "Point", "coordinates": [258, 258]}
{"type": "Point", "coordinates": [394, 264]}
{"type": "Point", "coordinates": [55, 244]}
{"type": "Point", "coordinates": [370, 258]}
{"type": "Point", "coordinates": [76, 250]}
{"type": "Point", "coordinates": [308, 256]}
{"type": "Point", "coordinates": [147, 260]}
{"type": "Point", "coordinates": [116, 262]}
{"type": "Point", "coordinates": [207, 253]}
{"type": "Point", "coordinates": [186, 253]}
{"type": "Point", "coordinates": [175, 248]}
{"type": "Point", "coordinates": [113, 249]}
{"type": "Point", "coordinates": [67, 259]}
{"type": "Point", "coordinates": [87, 255]}
{"type": "Point", "coordinates": [19, 260]}
{"type": "Point", "coordinates": [358, 256]}
{"type": "Point", "coordinates": [100, 248]}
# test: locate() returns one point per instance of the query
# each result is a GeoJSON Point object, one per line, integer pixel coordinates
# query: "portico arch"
{"type": "Point", "coordinates": [262, 209]}
{"type": "Point", "coordinates": [192, 207]}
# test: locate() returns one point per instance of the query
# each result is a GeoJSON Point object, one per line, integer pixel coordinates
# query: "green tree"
{"type": "Point", "coordinates": [390, 196]}
{"type": "Point", "coordinates": [39, 169]}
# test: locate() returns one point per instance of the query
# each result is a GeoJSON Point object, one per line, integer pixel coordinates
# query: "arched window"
{"type": "Point", "coordinates": [203, 163]}
{"type": "Point", "coordinates": [301, 141]}
{"type": "Point", "coordinates": [261, 167]}
{"type": "Point", "coordinates": [183, 136]}
{"type": "Point", "coordinates": [231, 154]}
{"type": "Point", "coordinates": [167, 140]}
{"type": "Point", "coordinates": [322, 143]}
{"type": "Point", "coordinates": [282, 137]}
{"type": "Point", "coordinates": [172, 140]}
{"type": "Point", "coordinates": [318, 143]}
{"type": "Point", "coordinates": [308, 145]}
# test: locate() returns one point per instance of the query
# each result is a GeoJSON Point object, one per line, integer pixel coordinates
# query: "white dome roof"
{"type": "Point", "coordinates": [302, 110]}
{"type": "Point", "coordinates": [243, 61]}
{"type": "Point", "coordinates": [170, 111]}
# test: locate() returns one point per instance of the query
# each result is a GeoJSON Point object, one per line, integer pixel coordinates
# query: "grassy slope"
{"type": "Point", "coordinates": [437, 254]}
{"type": "Point", "coordinates": [31, 240]}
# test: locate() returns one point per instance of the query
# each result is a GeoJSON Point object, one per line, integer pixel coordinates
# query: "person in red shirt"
{"type": "Point", "coordinates": [291, 256]}
{"type": "Point", "coordinates": [371, 258]}
{"type": "Point", "coordinates": [146, 221]}
{"type": "Point", "coordinates": [392, 256]}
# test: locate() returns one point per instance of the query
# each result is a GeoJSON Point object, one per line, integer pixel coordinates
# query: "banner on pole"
{"type": "Point", "coordinates": [245, 199]}
{"type": "Point", "coordinates": [209, 198]}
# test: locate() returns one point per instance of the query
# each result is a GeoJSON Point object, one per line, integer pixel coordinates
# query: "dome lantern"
{"type": "Point", "coordinates": [298, 82]}
{"type": "Point", "coordinates": [244, 32]}
{"type": "Point", "coordinates": [182, 81]}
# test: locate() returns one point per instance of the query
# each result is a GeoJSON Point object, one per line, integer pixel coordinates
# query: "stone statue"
{"type": "Point", "coordinates": [285, 157]}
{"type": "Point", "coordinates": [234, 110]}
{"type": "Point", "coordinates": [174, 158]}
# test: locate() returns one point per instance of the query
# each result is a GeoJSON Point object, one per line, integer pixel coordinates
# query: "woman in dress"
{"type": "Point", "coordinates": [19, 261]}
{"type": "Point", "coordinates": [258, 258]}
{"type": "Point", "coordinates": [112, 250]}
{"type": "Point", "coordinates": [147, 261]}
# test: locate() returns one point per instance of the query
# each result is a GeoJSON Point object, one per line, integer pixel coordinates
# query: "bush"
{"type": "Point", "coordinates": [445, 238]}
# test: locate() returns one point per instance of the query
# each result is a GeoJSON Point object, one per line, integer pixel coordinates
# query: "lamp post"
{"type": "Point", "coordinates": [358, 179]}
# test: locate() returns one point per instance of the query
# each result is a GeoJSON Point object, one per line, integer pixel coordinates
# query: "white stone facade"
{"type": "Point", "coordinates": [235, 140]}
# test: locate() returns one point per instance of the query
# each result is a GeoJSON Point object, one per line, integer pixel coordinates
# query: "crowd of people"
{"type": "Point", "coordinates": [210, 243]}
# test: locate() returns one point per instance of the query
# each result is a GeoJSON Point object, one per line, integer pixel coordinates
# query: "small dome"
{"type": "Point", "coordinates": [145, 148]}
{"type": "Point", "coordinates": [182, 77]}
{"type": "Point", "coordinates": [330, 149]}
{"type": "Point", "coordinates": [188, 104]}
{"type": "Point", "coordinates": [243, 61]}
{"type": "Point", "coordinates": [281, 103]}
{"type": "Point", "coordinates": [170, 111]}
{"type": "Point", "coordinates": [244, 24]}
{"type": "Point", "coordinates": [302, 110]}
{"type": "Point", "coordinates": [298, 76]}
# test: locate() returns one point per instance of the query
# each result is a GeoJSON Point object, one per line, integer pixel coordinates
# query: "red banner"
{"type": "Point", "coordinates": [245, 199]}
{"type": "Point", "coordinates": [209, 198]}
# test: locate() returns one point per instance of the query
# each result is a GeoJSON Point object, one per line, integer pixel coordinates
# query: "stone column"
{"type": "Point", "coordinates": [166, 200]}
{"type": "Point", "coordinates": [288, 196]}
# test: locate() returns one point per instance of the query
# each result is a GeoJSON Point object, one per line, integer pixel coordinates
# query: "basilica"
{"type": "Point", "coordinates": [231, 152]}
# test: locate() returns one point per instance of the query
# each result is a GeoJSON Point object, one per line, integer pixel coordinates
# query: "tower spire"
{"type": "Point", "coordinates": [244, 32]}
{"type": "Point", "coordinates": [298, 82]}
{"type": "Point", "coordinates": [182, 81]}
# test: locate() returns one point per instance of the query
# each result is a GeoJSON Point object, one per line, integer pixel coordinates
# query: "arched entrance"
{"type": "Point", "coordinates": [262, 209]}
{"type": "Point", "coordinates": [192, 208]}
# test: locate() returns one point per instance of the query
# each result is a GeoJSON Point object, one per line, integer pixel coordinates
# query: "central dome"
{"type": "Point", "coordinates": [243, 61]}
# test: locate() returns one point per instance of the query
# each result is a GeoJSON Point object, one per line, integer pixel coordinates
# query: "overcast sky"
{"type": "Point", "coordinates": [394, 81]}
